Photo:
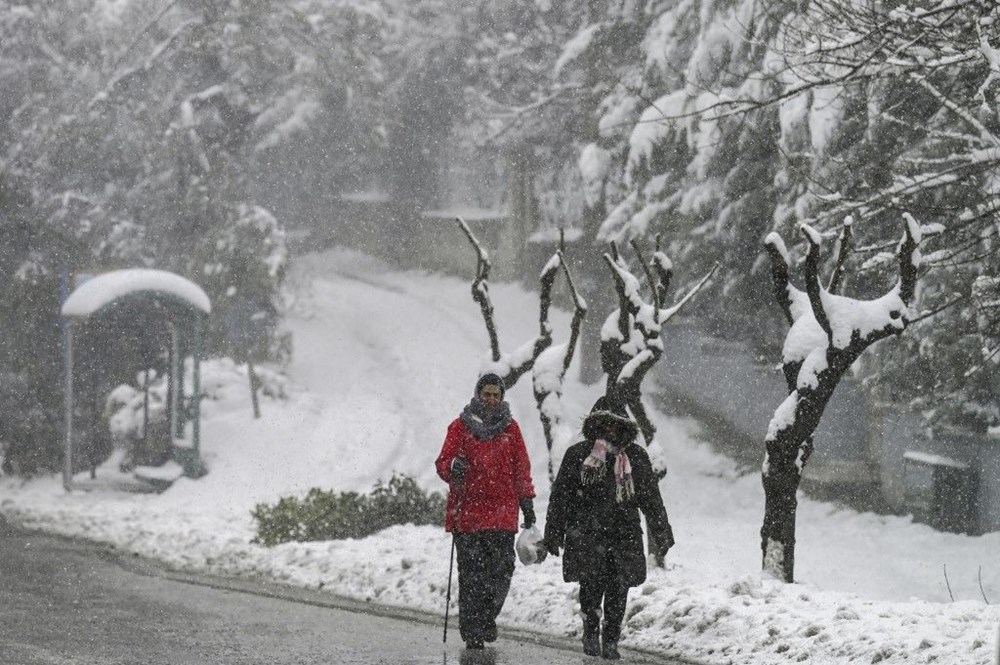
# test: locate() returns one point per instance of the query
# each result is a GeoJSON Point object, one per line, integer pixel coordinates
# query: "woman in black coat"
{"type": "Point", "coordinates": [603, 483]}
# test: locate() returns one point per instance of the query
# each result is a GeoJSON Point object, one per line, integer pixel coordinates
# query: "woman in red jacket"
{"type": "Point", "coordinates": [485, 463]}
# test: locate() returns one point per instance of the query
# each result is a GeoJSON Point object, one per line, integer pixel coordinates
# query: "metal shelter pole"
{"type": "Point", "coordinates": [68, 398]}
{"type": "Point", "coordinates": [172, 382]}
{"type": "Point", "coordinates": [196, 389]}
{"type": "Point", "coordinates": [182, 410]}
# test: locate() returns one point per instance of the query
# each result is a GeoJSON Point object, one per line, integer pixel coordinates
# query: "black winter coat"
{"type": "Point", "coordinates": [589, 523]}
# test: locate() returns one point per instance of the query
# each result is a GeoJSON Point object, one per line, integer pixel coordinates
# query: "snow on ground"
{"type": "Point", "coordinates": [383, 361]}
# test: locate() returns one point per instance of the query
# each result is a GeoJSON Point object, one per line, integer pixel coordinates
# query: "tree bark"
{"type": "Point", "coordinates": [788, 443]}
{"type": "Point", "coordinates": [777, 535]}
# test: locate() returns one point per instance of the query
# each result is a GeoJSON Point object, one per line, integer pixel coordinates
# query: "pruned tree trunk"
{"type": "Point", "coordinates": [841, 329]}
{"type": "Point", "coordinates": [550, 363]}
{"type": "Point", "coordinates": [551, 366]}
{"type": "Point", "coordinates": [510, 367]}
{"type": "Point", "coordinates": [481, 289]}
{"type": "Point", "coordinates": [630, 340]}
{"type": "Point", "coordinates": [254, 387]}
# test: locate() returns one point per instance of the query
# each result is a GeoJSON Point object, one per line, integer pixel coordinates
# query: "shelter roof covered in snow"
{"type": "Point", "coordinates": [104, 289]}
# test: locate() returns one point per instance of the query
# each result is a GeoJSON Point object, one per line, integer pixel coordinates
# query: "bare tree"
{"type": "Point", "coordinates": [549, 362]}
{"type": "Point", "coordinates": [511, 366]}
{"type": "Point", "coordinates": [828, 333]}
{"type": "Point", "coordinates": [630, 338]}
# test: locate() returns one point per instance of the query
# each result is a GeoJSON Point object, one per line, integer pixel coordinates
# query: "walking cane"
{"type": "Point", "coordinates": [451, 565]}
{"type": "Point", "coordinates": [447, 597]}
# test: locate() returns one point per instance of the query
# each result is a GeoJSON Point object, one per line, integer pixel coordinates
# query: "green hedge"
{"type": "Point", "coordinates": [328, 515]}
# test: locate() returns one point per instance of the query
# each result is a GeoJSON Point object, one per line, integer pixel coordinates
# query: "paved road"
{"type": "Point", "coordinates": [65, 602]}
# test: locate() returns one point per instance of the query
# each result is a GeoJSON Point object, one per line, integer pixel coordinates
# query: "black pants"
{"type": "Point", "coordinates": [485, 568]}
{"type": "Point", "coordinates": [609, 589]}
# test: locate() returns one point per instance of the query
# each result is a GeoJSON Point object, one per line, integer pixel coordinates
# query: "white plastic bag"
{"type": "Point", "coordinates": [529, 545]}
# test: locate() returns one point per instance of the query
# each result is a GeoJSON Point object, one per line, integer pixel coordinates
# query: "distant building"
{"type": "Point", "coordinates": [411, 238]}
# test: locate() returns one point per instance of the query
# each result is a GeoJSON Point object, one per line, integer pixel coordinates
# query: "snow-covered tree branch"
{"type": "Point", "coordinates": [828, 334]}
{"type": "Point", "coordinates": [551, 365]}
{"type": "Point", "coordinates": [631, 342]}
{"type": "Point", "coordinates": [547, 362]}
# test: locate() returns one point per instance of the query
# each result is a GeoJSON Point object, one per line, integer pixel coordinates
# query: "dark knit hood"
{"type": "Point", "coordinates": [490, 379]}
{"type": "Point", "coordinates": [606, 410]}
{"type": "Point", "coordinates": [486, 423]}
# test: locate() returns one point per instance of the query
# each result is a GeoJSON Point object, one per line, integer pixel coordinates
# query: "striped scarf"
{"type": "Point", "coordinates": [594, 467]}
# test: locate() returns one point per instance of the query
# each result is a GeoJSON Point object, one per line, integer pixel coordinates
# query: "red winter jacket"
{"type": "Point", "coordinates": [499, 475]}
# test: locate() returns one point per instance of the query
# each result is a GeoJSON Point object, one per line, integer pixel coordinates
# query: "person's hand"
{"type": "Point", "coordinates": [542, 554]}
{"type": "Point", "coordinates": [459, 467]}
{"type": "Point", "coordinates": [528, 510]}
{"type": "Point", "coordinates": [660, 558]}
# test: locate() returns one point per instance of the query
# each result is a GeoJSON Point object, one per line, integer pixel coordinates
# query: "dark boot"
{"type": "Point", "coordinates": [592, 636]}
{"type": "Point", "coordinates": [611, 631]}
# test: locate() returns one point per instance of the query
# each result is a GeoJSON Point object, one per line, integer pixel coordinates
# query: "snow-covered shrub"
{"type": "Point", "coordinates": [140, 426]}
{"type": "Point", "coordinates": [221, 375]}
{"type": "Point", "coordinates": [329, 515]}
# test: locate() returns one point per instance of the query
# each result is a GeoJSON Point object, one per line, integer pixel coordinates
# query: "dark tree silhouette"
{"type": "Point", "coordinates": [630, 338]}
{"type": "Point", "coordinates": [551, 365]}
{"type": "Point", "coordinates": [828, 333]}
{"type": "Point", "coordinates": [549, 362]}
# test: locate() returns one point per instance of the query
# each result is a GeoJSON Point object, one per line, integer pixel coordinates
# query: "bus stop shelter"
{"type": "Point", "coordinates": [186, 306]}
